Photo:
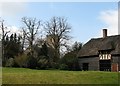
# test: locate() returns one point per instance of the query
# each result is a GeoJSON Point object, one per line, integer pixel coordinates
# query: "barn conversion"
{"type": "Point", "coordinates": [101, 53]}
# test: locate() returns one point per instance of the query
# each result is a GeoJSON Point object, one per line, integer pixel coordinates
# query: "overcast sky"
{"type": "Point", "coordinates": [86, 18]}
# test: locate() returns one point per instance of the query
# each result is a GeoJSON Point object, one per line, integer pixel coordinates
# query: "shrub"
{"type": "Point", "coordinates": [63, 67]}
{"type": "Point", "coordinates": [71, 61]}
{"type": "Point", "coordinates": [21, 60]}
{"type": "Point", "coordinates": [55, 65]}
{"type": "Point", "coordinates": [10, 62]}
{"type": "Point", "coordinates": [31, 62]}
{"type": "Point", "coordinates": [43, 62]}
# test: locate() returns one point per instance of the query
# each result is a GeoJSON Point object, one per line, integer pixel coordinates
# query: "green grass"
{"type": "Point", "coordinates": [0, 75]}
{"type": "Point", "coordinates": [29, 76]}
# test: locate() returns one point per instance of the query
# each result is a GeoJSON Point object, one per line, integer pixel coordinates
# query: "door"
{"type": "Point", "coordinates": [85, 66]}
{"type": "Point", "coordinates": [105, 65]}
{"type": "Point", "coordinates": [115, 67]}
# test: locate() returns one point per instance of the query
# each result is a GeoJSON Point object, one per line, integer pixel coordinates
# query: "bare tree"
{"type": "Point", "coordinates": [30, 30]}
{"type": "Point", "coordinates": [4, 34]}
{"type": "Point", "coordinates": [57, 33]}
{"type": "Point", "coordinates": [23, 38]}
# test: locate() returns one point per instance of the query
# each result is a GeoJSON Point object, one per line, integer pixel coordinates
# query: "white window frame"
{"type": "Point", "coordinates": [105, 56]}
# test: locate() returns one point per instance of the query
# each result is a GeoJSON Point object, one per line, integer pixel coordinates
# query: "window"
{"type": "Point", "coordinates": [105, 56]}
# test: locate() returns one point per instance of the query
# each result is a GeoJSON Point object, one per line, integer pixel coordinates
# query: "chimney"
{"type": "Point", "coordinates": [104, 33]}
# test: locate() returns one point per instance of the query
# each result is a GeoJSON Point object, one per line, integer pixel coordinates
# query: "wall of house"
{"type": "Point", "coordinates": [0, 54]}
{"type": "Point", "coordinates": [119, 63]}
{"type": "Point", "coordinates": [93, 63]}
{"type": "Point", "coordinates": [115, 59]}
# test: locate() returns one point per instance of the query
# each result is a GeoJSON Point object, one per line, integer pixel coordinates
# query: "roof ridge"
{"type": "Point", "coordinates": [106, 37]}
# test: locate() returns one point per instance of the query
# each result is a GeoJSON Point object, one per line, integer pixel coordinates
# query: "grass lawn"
{"type": "Point", "coordinates": [0, 75]}
{"type": "Point", "coordinates": [29, 76]}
